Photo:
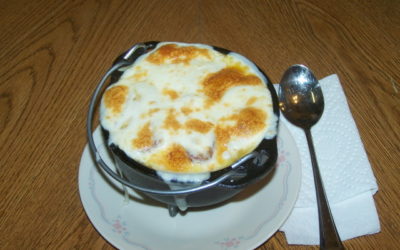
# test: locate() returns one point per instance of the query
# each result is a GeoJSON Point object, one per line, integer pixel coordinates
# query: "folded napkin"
{"type": "Point", "coordinates": [346, 172]}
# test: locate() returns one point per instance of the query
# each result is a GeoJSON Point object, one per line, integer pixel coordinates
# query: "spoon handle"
{"type": "Point", "coordinates": [329, 237]}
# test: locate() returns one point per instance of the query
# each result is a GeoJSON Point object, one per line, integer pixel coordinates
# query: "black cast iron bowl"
{"type": "Point", "coordinates": [220, 186]}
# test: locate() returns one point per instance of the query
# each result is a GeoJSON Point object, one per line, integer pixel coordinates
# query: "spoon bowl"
{"type": "Point", "coordinates": [300, 96]}
{"type": "Point", "coordinates": [302, 103]}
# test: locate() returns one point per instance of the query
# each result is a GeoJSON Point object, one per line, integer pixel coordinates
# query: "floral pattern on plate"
{"type": "Point", "coordinates": [244, 222]}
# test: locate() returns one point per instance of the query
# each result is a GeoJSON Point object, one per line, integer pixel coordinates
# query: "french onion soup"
{"type": "Point", "coordinates": [188, 109]}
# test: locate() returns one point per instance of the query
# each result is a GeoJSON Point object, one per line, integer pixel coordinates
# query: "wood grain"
{"type": "Point", "coordinates": [53, 53]}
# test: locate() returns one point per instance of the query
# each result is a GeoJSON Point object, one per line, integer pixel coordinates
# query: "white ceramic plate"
{"type": "Point", "coordinates": [244, 222]}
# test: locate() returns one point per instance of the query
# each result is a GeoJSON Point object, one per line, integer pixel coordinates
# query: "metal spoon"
{"type": "Point", "coordinates": [302, 103]}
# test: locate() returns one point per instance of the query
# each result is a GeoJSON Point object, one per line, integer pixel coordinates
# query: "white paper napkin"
{"type": "Point", "coordinates": [346, 172]}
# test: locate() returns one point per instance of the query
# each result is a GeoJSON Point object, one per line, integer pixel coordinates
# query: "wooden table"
{"type": "Point", "coordinates": [53, 53]}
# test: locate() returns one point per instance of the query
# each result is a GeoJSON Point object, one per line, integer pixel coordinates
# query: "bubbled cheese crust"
{"type": "Point", "coordinates": [186, 108]}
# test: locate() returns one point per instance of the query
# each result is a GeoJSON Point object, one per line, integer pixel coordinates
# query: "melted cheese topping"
{"type": "Point", "coordinates": [186, 108]}
{"type": "Point", "coordinates": [115, 98]}
{"type": "Point", "coordinates": [216, 84]}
